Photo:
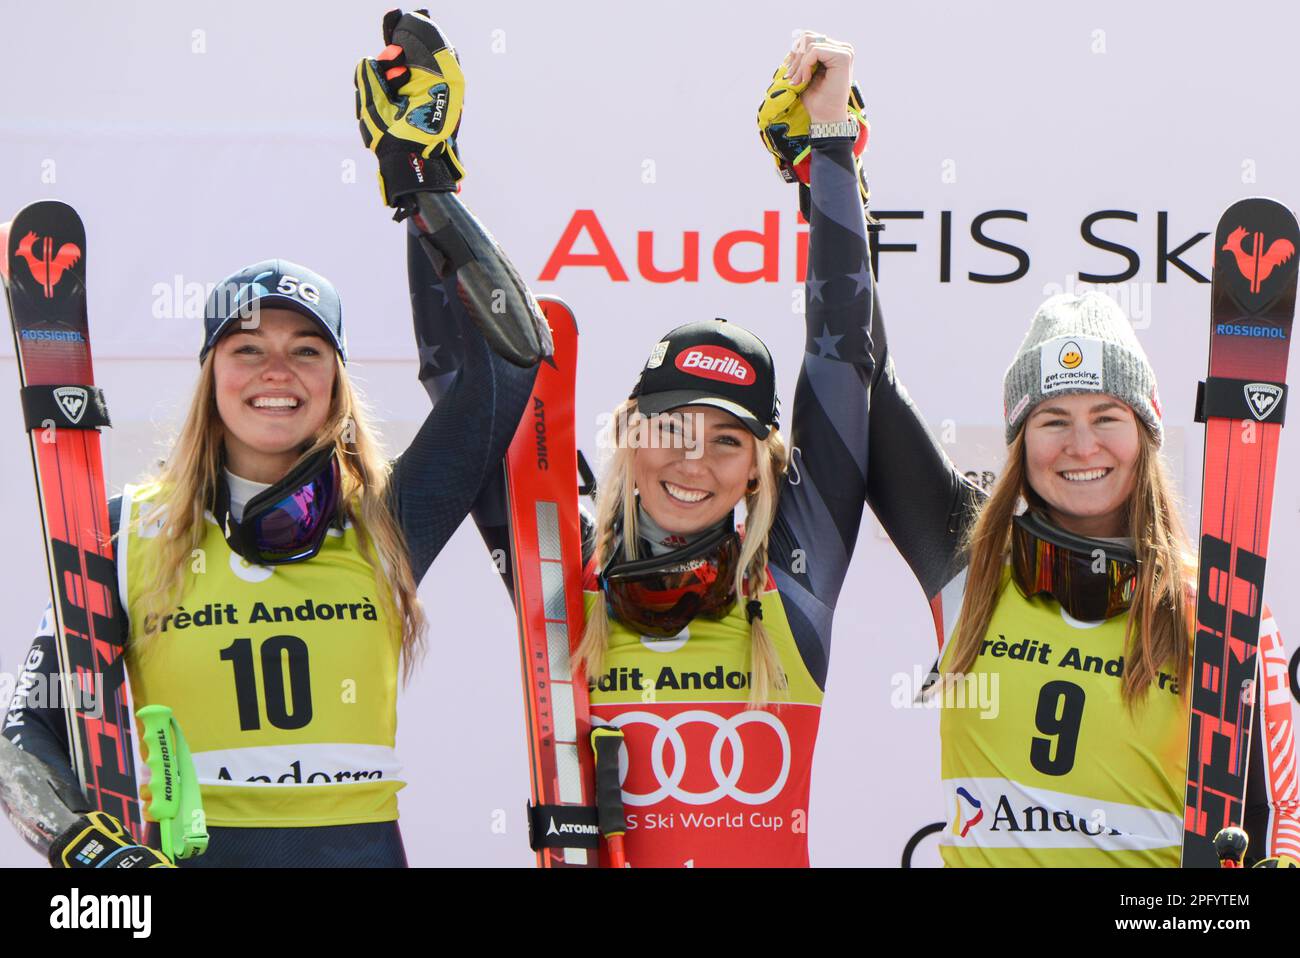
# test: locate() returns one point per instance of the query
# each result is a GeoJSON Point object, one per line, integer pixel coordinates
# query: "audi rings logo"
{"type": "Point", "coordinates": [727, 731]}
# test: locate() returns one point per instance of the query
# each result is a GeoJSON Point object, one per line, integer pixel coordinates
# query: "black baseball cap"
{"type": "Point", "coordinates": [274, 282]}
{"type": "Point", "coordinates": [711, 363]}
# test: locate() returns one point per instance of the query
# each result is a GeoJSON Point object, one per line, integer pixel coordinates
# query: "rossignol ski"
{"type": "Point", "coordinates": [44, 272]}
{"type": "Point", "coordinates": [1242, 403]}
{"type": "Point", "coordinates": [542, 484]}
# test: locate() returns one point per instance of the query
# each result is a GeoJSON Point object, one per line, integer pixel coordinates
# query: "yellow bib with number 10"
{"type": "Point", "coordinates": [284, 678]}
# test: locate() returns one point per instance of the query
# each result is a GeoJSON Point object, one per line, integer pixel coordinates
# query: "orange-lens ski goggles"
{"type": "Point", "coordinates": [659, 596]}
{"type": "Point", "coordinates": [1092, 579]}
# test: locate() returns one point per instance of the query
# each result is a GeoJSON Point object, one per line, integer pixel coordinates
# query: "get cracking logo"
{"type": "Point", "coordinates": [1071, 356]}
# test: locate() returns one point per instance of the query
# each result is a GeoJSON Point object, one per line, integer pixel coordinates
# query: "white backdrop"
{"type": "Point", "coordinates": [198, 137]}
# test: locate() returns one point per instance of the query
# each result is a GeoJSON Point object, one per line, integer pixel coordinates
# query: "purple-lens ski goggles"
{"type": "Point", "coordinates": [289, 521]}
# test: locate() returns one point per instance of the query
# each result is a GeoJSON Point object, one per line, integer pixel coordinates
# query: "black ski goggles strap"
{"type": "Point", "coordinates": [659, 596]}
{"type": "Point", "coordinates": [1092, 580]}
{"type": "Point", "coordinates": [563, 826]}
{"type": "Point", "coordinates": [289, 521]}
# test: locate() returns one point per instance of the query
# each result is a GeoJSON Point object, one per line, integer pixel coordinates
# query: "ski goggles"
{"type": "Point", "coordinates": [1091, 579]}
{"type": "Point", "coordinates": [660, 595]}
{"type": "Point", "coordinates": [289, 521]}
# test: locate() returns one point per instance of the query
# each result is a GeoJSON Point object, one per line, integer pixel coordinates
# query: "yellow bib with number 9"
{"type": "Point", "coordinates": [1043, 763]}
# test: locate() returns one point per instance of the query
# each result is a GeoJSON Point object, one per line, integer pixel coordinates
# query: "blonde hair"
{"type": "Point", "coordinates": [1156, 630]}
{"type": "Point", "coordinates": [188, 485]}
{"type": "Point", "coordinates": [616, 502]}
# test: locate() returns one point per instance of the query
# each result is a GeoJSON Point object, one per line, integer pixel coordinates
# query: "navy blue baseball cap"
{"type": "Point", "coordinates": [273, 282]}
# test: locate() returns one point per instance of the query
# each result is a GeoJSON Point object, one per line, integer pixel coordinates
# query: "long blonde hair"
{"type": "Point", "coordinates": [616, 502]}
{"type": "Point", "coordinates": [188, 486]}
{"type": "Point", "coordinates": [1156, 630]}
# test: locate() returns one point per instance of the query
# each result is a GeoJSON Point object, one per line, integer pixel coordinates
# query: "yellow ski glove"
{"type": "Point", "coordinates": [783, 127]}
{"type": "Point", "coordinates": [408, 104]}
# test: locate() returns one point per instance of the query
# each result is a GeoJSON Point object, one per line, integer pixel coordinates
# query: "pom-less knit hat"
{"type": "Point", "coordinates": [1080, 344]}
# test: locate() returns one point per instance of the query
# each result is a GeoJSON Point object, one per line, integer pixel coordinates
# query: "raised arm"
{"type": "Point", "coordinates": [921, 499]}
{"type": "Point", "coordinates": [478, 395]}
{"type": "Point", "coordinates": [820, 509]}
{"type": "Point", "coordinates": [848, 376]}
{"type": "Point", "coordinates": [821, 502]}
{"type": "Point", "coordinates": [470, 304]}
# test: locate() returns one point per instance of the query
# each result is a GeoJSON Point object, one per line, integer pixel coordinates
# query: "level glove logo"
{"type": "Point", "coordinates": [408, 105]}
{"type": "Point", "coordinates": [783, 124]}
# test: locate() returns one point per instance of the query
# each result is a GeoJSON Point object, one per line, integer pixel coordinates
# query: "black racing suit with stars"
{"type": "Point", "coordinates": [810, 546]}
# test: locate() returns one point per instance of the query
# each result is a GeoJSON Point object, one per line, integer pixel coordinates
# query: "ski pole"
{"type": "Point", "coordinates": [606, 742]}
{"type": "Point", "coordinates": [172, 794]}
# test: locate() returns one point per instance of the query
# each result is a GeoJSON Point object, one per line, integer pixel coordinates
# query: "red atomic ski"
{"type": "Point", "coordinates": [44, 272]}
{"type": "Point", "coordinates": [1242, 403]}
{"type": "Point", "coordinates": [542, 483]}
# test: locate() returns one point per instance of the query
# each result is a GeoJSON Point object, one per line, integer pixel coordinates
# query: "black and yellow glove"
{"type": "Point", "coordinates": [98, 840]}
{"type": "Point", "coordinates": [783, 123]}
{"type": "Point", "coordinates": [408, 104]}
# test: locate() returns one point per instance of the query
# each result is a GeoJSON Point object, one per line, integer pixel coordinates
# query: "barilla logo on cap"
{"type": "Point", "coordinates": [716, 362]}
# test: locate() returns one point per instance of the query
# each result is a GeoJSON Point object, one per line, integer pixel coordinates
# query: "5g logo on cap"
{"type": "Point", "coordinates": [293, 286]}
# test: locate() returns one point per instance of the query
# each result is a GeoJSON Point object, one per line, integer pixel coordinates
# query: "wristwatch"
{"type": "Point", "coordinates": [821, 131]}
